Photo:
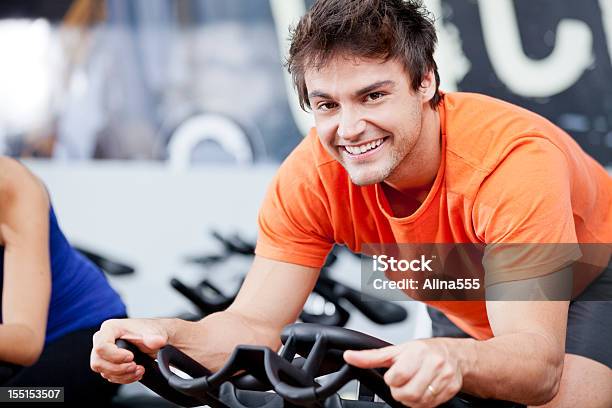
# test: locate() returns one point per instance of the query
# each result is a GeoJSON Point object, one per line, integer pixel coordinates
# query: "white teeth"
{"type": "Point", "coordinates": [363, 148]}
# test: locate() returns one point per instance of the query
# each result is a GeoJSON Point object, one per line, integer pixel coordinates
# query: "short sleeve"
{"type": "Point", "coordinates": [294, 223]}
{"type": "Point", "coordinates": [523, 213]}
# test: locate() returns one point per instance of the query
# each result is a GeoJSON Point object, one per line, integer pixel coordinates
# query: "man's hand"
{"type": "Point", "coordinates": [422, 373]}
{"type": "Point", "coordinates": [117, 365]}
{"type": "Point", "coordinates": [272, 296]}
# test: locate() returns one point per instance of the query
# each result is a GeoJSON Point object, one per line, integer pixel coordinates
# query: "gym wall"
{"type": "Point", "coordinates": [122, 83]}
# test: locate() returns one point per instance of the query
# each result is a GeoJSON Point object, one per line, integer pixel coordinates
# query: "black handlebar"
{"type": "Point", "coordinates": [377, 310]}
{"type": "Point", "coordinates": [252, 369]}
{"type": "Point", "coordinates": [109, 266]}
{"type": "Point", "coordinates": [153, 379]}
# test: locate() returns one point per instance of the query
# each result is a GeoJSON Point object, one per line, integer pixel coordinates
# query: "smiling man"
{"type": "Point", "coordinates": [394, 160]}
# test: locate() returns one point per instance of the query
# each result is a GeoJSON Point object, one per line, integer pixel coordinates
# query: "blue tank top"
{"type": "Point", "coordinates": [80, 294]}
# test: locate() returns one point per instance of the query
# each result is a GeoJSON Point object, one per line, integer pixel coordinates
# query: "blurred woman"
{"type": "Point", "coordinates": [53, 299]}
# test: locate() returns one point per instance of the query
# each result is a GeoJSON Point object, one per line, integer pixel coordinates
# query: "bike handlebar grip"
{"type": "Point", "coordinates": [197, 299]}
{"type": "Point", "coordinates": [110, 267]}
{"type": "Point", "coordinates": [378, 310]}
{"type": "Point", "coordinates": [204, 303]}
{"type": "Point", "coordinates": [337, 337]}
{"type": "Point", "coordinates": [153, 379]}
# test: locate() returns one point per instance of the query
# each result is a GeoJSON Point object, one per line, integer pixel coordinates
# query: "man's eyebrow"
{"type": "Point", "coordinates": [364, 90]}
{"type": "Point", "coordinates": [371, 87]}
{"type": "Point", "coordinates": [318, 94]}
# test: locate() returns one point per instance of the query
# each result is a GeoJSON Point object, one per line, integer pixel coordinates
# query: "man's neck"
{"type": "Point", "coordinates": [404, 203]}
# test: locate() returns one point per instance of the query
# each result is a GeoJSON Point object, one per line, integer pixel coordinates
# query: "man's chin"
{"type": "Point", "coordinates": [363, 180]}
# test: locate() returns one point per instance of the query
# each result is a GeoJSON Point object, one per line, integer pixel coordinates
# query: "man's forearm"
{"type": "Point", "coordinates": [523, 364]}
{"type": "Point", "coordinates": [211, 340]}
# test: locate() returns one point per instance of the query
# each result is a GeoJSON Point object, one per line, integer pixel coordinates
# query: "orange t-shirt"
{"type": "Point", "coordinates": [507, 175]}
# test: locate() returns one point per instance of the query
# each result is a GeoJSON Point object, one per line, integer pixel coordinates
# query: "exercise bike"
{"type": "Point", "coordinates": [309, 371]}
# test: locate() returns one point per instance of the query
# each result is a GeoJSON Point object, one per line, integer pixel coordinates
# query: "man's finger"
{"type": "Point", "coordinates": [104, 367]}
{"type": "Point", "coordinates": [110, 352]}
{"type": "Point", "coordinates": [127, 378]}
{"type": "Point", "coordinates": [375, 358]}
{"type": "Point", "coordinates": [104, 344]}
{"type": "Point", "coordinates": [402, 370]}
{"type": "Point", "coordinates": [411, 383]}
{"type": "Point", "coordinates": [147, 343]}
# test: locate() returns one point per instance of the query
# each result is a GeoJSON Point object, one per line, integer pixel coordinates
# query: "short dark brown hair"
{"type": "Point", "coordinates": [387, 29]}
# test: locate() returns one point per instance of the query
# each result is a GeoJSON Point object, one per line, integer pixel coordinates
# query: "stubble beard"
{"type": "Point", "coordinates": [364, 175]}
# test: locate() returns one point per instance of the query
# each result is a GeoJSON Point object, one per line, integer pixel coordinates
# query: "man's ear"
{"type": "Point", "coordinates": [428, 86]}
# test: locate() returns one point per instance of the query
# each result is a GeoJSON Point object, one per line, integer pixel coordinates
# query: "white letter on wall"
{"type": "Point", "coordinates": [606, 16]}
{"type": "Point", "coordinates": [533, 78]}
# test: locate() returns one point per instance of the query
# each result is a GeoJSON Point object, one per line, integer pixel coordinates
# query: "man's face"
{"type": "Point", "coordinates": [367, 116]}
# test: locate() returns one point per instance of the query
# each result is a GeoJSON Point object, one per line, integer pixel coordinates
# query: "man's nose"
{"type": "Point", "coordinates": [351, 125]}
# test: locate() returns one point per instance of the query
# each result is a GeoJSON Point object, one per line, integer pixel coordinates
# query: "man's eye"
{"type": "Point", "coordinates": [326, 106]}
{"type": "Point", "coordinates": [374, 96]}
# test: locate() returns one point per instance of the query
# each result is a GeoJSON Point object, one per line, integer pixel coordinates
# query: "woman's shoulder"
{"type": "Point", "coordinates": [18, 183]}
